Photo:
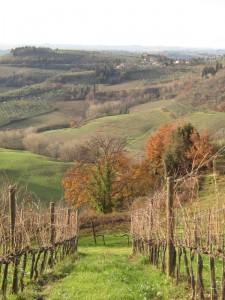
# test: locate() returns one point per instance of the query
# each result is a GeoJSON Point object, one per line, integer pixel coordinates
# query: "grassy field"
{"type": "Point", "coordinates": [135, 126]}
{"type": "Point", "coordinates": [212, 121]}
{"type": "Point", "coordinates": [212, 190]}
{"type": "Point", "coordinates": [141, 122]}
{"type": "Point", "coordinates": [132, 84]}
{"type": "Point", "coordinates": [41, 175]}
{"type": "Point", "coordinates": [104, 272]}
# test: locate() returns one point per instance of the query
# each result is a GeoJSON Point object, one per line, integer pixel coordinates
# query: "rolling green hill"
{"type": "Point", "coordinates": [42, 176]}
{"type": "Point", "coordinates": [208, 92]}
{"type": "Point", "coordinates": [135, 127]}
{"type": "Point", "coordinates": [141, 122]}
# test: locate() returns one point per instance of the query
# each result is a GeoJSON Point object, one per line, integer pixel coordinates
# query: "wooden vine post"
{"type": "Point", "coordinates": [170, 227]}
{"type": "Point", "coordinates": [13, 248]}
{"type": "Point", "coordinates": [52, 233]}
{"type": "Point", "coordinates": [68, 216]}
{"type": "Point", "coordinates": [93, 230]}
{"type": "Point", "coordinates": [77, 223]}
{"type": "Point", "coordinates": [52, 222]}
{"type": "Point", "coordinates": [12, 214]}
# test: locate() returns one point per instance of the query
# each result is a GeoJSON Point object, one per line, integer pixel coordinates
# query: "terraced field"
{"type": "Point", "coordinates": [22, 109]}
{"type": "Point", "coordinates": [158, 74]}
{"type": "Point", "coordinates": [60, 114]}
{"type": "Point", "coordinates": [35, 91]}
{"type": "Point", "coordinates": [8, 70]}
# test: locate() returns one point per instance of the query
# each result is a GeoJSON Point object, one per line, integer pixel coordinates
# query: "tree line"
{"type": "Point", "coordinates": [40, 57]}
{"type": "Point", "coordinates": [212, 70]}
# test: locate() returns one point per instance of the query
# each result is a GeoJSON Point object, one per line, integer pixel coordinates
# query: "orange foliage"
{"type": "Point", "coordinates": [105, 184]}
{"type": "Point", "coordinates": [158, 143]}
{"type": "Point", "coordinates": [186, 151]}
{"type": "Point", "coordinates": [110, 183]}
{"type": "Point", "coordinates": [201, 150]}
{"type": "Point", "coordinates": [76, 192]}
{"type": "Point", "coordinates": [144, 179]}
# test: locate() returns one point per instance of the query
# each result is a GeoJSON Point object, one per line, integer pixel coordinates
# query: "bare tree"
{"type": "Point", "coordinates": [35, 143]}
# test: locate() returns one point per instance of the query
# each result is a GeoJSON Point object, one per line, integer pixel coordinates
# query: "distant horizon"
{"type": "Point", "coordinates": [8, 46]}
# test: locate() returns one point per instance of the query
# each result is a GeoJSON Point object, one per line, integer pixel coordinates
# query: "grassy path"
{"type": "Point", "coordinates": [102, 273]}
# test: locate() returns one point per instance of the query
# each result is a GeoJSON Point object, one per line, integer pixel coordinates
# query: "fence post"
{"type": "Point", "coordinates": [68, 228]}
{"type": "Point", "coordinates": [12, 214]}
{"type": "Point", "coordinates": [77, 223]}
{"type": "Point", "coordinates": [93, 230]}
{"type": "Point", "coordinates": [170, 226]}
{"type": "Point", "coordinates": [68, 216]}
{"type": "Point", "coordinates": [52, 222]}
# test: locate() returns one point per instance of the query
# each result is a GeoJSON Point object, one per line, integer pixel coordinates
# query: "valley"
{"type": "Point", "coordinates": [70, 96]}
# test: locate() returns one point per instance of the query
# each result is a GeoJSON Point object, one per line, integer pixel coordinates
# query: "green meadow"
{"type": "Point", "coordinates": [141, 121]}
{"type": "Point", "coordinates": [40, 175]}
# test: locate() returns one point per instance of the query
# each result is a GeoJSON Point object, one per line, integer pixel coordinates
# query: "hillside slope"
{"type": "Point", "coordinates": [207, 92]}
{"type": "Point", "coordinates": [40, 175]}
{"type": "Point", "coordinates": [142, 120]}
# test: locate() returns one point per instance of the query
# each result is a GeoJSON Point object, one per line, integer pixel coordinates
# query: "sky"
{"type": "Point", "coordinates": [184, 23]}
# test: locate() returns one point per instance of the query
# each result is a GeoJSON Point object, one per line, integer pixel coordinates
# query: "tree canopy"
{"type": "Point", "coordinates": [179, 149]}
{"type": "Point", "coordinates": [107, 178]}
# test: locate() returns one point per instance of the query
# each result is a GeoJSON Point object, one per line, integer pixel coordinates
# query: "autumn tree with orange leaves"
{"type": "Point", "coordinates": [201, 150]}
{"type": "Point", "coordinates": [179, 149]}
{"type": "Point", "coordinates": [106, 178]}
{"type": "Point", "coordinates": [158, 143]}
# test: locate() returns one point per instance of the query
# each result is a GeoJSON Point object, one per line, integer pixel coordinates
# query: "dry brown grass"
{"type": "Point", "coordinates": [114, 223]}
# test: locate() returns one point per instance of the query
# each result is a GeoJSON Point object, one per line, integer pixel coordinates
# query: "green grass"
{"type": "Point", "coordinates": [101, 273]}
{"type": "Point", "coordinates": [135, 127]}
{"type": "Point", "coordinates": [141, 122]}
{"type": "Point", "coordinates": [211, 120]}
{"type": "Point", "coordinates": [212, 190]}
{"type": "Point", "coordinates": [128, 85]}
{"type": "Point", "coordinates": [112, 272]}
{"type": "Point", "coordinates": [42, 175]}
